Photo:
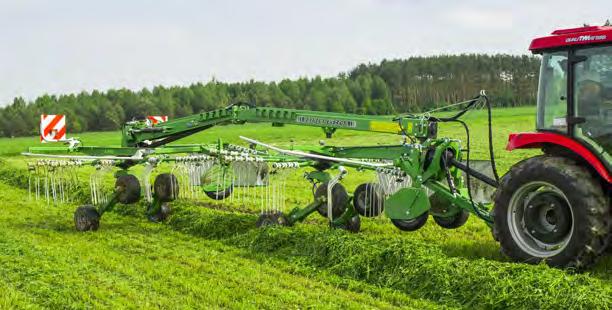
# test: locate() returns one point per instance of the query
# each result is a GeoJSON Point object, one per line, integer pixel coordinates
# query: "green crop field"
{"type": "Point", "coordinates": [210, 255]}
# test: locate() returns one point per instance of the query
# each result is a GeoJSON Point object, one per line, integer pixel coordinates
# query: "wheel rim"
{"type": "Point", "coordinates": [540, 219]}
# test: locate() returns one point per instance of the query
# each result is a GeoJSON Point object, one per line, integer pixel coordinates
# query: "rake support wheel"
{"type": "Point", "coordinates": [352, 225]}
{"type": "Point", "coordinates": [368, 199]}
{"type": "Point", "coordinates": [128, 189]}
{"type": "Point", "coordinates": [162, 214]}
{"type": "Point", "coordinates": [221, 194]}
{"type": "Point", "coordinates": [454, 221]}
{"type": "Point", "coordinates": [411, 225]}
{"type": "Point", "coordinates": [340, 199]}
{"type": "Point", "coordinates": [86, 218]}
{"type": "Point", "coordinates": [166, 187]}
{"type": "Point", "coordinates": [271, 219]}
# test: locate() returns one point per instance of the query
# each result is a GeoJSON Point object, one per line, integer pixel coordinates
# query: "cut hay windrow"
{"type": "Point", "coordinates": [412, 267]}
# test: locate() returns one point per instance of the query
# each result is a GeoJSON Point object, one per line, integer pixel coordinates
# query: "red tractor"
{"type": "Point", "coordinates": [556, 207]}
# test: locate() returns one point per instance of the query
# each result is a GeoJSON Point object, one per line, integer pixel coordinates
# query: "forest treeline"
{"type": "Point", "coordinates": [392, 86]}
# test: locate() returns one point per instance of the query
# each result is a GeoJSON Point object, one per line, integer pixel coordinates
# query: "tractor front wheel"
{"type": "Point", "coordinates": [551, 209]}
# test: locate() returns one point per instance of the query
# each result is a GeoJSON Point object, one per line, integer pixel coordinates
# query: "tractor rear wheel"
{"type": "Point", "coordinates": [413, 224]}
{"type": "Point", "coordinates": [128, 189]}
{"type": "Point", "coordinates": [551, 209]}
{"type": "Point", "coordinates": [86, 218]}
{"type": "Point", "coordinates": [340, 199]}
{"type": "Point", "coordinates": [166, 187]}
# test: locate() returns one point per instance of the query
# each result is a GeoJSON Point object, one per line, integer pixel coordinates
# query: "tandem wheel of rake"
{"type": "Point", "coordinates": [166, 187]}
{"type": "Point", "coordinates": [128, 189]}
{"type": "Point", "coordinates": [340, 199]}
{"type": "Point", "coordinates": [368, 199]}
{"type": "Point", "coordinates": [86, 218]}
{"type": "Point", "coordinates": [441, 205]}
{"type": "Point", "coordinates": [275, 218]}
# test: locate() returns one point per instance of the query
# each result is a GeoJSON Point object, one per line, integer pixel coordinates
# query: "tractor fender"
{"type": "Point", "coordinates": [530, 140]}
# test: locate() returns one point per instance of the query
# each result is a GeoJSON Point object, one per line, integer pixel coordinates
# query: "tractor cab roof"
{"type": "Point", "coordinates": [587, 35]}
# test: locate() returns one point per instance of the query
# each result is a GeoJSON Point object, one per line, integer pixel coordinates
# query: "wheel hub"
{"type": "Point", "coordinates": [540, 219]}
{"type": "Point", "coordinates": [547, 217]}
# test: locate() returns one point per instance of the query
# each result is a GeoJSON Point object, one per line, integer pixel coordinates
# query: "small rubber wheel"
{"type": "Point", "coordinates": [454, 221]}
{"type": "Point", "coordinates": [352, 225]}
{"type": "Point", "coordinates": [220, 195]}
{"type": "Point", "coordinates": [166, 187]}
{"type": "Point", "coordinates": [411, 225]}
{"type": "Point", "coordinates": [340, 199]}
{"type": "Point", "coordinates": [86, 218]}
{"type": "Point", "coordinates": [551, 209]}
{"type": "Point", "coordinates": [128, 189]}
{"type": "Point", "coordinates": [368, 199]}
{"type": "Point", "coordinates": [162, 214]}
{"type": "Point", "coordinates": [272, 219]}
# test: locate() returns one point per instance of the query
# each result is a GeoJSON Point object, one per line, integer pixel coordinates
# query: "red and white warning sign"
{"type": "Point", "coordinates": [157, 119]}
{"type": "Point", "coordinates": [52, 128]}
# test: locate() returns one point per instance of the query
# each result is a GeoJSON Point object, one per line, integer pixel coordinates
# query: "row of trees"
{"type": "Point", "coordinates": [414, 84]}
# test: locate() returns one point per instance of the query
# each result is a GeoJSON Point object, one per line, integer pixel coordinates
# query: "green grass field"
{"type": "Point", "coordinates": [210, 255]}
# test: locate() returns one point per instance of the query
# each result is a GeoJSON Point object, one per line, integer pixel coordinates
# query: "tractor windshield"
{"type": "Point", "coordinates": [552, 92]}
{"type": "Point", "coordinates": [593, 96]}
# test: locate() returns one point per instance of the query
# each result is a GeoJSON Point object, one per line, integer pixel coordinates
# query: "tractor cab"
{"type": "Point", "coordinates": [575, 87]}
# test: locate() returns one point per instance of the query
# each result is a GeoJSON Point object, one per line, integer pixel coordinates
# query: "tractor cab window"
{"type": "Point", "coordinates": [593, 96]}
{"type": "Point", "coordinates": [552, 92]}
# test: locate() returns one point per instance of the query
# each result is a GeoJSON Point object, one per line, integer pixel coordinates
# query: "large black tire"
{"type": "Point", "coordinates": [368, 199]}
{"type": "Point", "coordinates": [551, 209]}
{"type": "Point", "coordinates": [441, 206]}
{"type": "Point", "coordinates": [411, 225]}
{"type": "Point", "coordinates": [86, 218]}
{"type": "Point", "coordinates": [128, 189]}
{"type": "Point", "coordinates": [220, 195]}
{"type": "Point", "coordinates": [271, 219]}
{"type": "Point", "coordinates": [166, 187]}
{"type": "Point", "coordinates": [340, 199]}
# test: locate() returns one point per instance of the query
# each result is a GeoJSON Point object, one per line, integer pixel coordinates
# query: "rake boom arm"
{"type": "Point", "coordinates": [142, 134]}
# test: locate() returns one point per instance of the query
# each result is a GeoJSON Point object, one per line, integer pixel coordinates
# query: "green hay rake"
{"type": "Point", "coordinates": [414, 179]}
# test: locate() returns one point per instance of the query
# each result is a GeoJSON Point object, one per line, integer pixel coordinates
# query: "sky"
{"type": "Point", "coordinates": [65, 46]}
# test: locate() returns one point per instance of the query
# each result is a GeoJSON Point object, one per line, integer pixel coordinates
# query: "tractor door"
{"type": "Point", "coordinates": [593, 98]}
{"type": "Point", "coordinates": [552, 93]}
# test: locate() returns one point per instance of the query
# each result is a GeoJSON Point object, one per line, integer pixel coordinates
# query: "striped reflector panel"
{"type": "Point", "coordinates": [52, 128]}
{"type": "Point", "coordinates": [157, 119]}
